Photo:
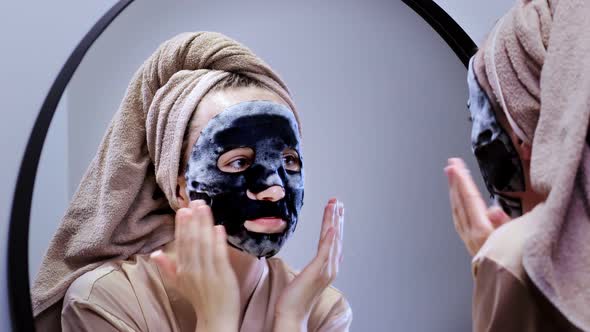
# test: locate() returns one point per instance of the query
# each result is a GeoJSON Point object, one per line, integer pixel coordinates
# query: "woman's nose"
{"type": "Point", "coordinates": [273, 194]}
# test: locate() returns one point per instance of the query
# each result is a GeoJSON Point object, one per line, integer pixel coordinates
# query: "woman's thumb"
{"type": "Point", "coordinates": [497, 216]}
{"type": "Point", "coordinates": [165, 264]}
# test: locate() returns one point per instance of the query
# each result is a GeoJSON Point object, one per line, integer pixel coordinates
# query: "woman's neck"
{"type": "Point", "coordinates": [248, 270]}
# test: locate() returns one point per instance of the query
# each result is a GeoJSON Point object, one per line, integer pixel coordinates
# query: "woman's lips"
{"type": "Point", "coordinates": [266, 225]}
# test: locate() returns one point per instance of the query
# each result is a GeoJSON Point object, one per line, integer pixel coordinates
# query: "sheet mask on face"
{"type": "Point", "coordinates": [498, 160]}
{"type": "Point", "coordinates": [268, 129]}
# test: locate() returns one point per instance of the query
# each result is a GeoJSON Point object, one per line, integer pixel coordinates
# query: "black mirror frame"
{"type": "Point", "coordinates": [18, 233]}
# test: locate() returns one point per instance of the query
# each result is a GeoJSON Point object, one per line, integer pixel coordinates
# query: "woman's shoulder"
{"type": "Point", "coordinates": [97, 281]}
{"type": "Point", "coordinates": [505, 248]}
{"type": "Point", "coordinates": [111, 291]}
{"type": "Point", "coordinates": [110, 278]}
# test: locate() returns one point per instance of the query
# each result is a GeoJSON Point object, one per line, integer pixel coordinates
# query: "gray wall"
{"type": "Point", "coordinates": [476, 17]}
{"type": "Point", "coordinates": [50, 197]}
{"type": "Point", "coordinates": [37, 37]}
{"type": "Point", "coordinates": [384, 88]}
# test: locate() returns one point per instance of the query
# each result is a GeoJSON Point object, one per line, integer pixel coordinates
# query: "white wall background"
{"type": "Point", "coordinates": [476, 16]}
{"type": "Point", "coordinates": [421, 271]}
{"type": "Point", "coordinates": [37, 37]}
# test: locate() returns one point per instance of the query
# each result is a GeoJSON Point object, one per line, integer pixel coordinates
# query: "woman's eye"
{"type": "Point", "coordinates": [291, 162]}
{"type": "Point", "coordinates": [236, 160]}
{"type": "Point", "coordinates": [239, 164]}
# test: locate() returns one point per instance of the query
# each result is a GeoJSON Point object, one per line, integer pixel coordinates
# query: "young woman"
{"type": "Point", "coordinates": [530, 107]}
{"type": "Point", "coordinates": [197, 185]}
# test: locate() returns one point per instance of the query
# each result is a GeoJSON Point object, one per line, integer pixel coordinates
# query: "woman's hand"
{"type": "Point", "coordinates": [201, 269]}
{"type": "Point", "coordinates": [295, 303]}
{"type": "Point", "coordinates": [473, 220]}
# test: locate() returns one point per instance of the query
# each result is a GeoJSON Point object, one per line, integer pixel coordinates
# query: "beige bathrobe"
{"type": "Point", "coordinates": [505, 299]}
{"type": "Point", "coordinates": [131, 295]}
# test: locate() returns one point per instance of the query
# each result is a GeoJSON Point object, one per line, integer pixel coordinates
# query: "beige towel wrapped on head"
{"type": "Point", "coordinates": [126, 200]}
{"type": "Point", "coordinates": [536, 62]}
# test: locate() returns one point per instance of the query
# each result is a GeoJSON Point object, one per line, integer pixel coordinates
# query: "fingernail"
{"type": "Point", "coordinates": [447, 170]}
{"type": "Point", "coordinates": [332, 200]}
{"type": "Point", "coordinates": [156, 253]}
{"type": "Point", "coordinates": [450, 176]}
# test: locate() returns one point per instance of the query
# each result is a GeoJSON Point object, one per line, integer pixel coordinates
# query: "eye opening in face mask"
{"type": "Point", "coordinates": [291, 160]}
{"type": "Point", "coordinates": [236, 160]}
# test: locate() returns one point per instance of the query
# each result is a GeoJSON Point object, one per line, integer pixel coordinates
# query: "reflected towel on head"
{"type": "Point", "coordinates": [535, 64]}
{"type": "Point", "coordinates": [126, 200]}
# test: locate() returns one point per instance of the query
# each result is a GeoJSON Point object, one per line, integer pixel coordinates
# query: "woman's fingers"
{"type": "Point", "coordinates": [320, 269]}
{"type": "Point", "coordinates": [468, 207]}
{"type": "Point", "coordinates": [324, 248]}
{"type": "Point", "coordinates": [204, 220]}
{"type": "Point", "coordinates": [199, 244]}
{"type": "Point", "coordinates": [220, 255]}
{"type": "Point", "coordinates": [475, 207]}
{"type": "Point", "coordinates": [301, 293]}
{"type": "Point", "coordinates": [183, 237]}
{"type": "Point", "coordinates": [458, 211]}
{"type": "Point", "coordinates": [336, 250]}
{"type": "Point", "coordinates": [341, 233]}
{"type": "Point", "coordinates": [334, 244]}
{"type": "Point", "coordinates": [327, 219]}
{"type": "Point", "coordinates": [203, 273]}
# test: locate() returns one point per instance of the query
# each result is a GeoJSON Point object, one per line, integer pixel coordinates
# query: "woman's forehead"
{"type": "Point", "coordinates": [217, 101]}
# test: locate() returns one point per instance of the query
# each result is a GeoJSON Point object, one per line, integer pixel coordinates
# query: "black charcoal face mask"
{"type": "Point", "coordinates": [268, 129]}
{"type": "Point", "coordinates": [498, 160]}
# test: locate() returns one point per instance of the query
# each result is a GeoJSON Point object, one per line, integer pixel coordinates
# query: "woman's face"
{"type": "Point", "coordinates": [528, 197]}
{"type": "Point", "coordinates": [486, 115]}
{"type": "Point", "coordinates": [243, 158]}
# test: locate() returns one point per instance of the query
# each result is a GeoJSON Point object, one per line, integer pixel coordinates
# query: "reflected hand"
{"type": "Point", "coordinates": [201, 269]}
{"type": "Point", "coordinates": [295, 303]}
{"type": "Point", "coordinates": [474, 221]}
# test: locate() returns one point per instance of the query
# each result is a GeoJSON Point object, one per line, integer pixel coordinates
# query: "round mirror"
{"type": "Point", "coordinates": [381, 98]}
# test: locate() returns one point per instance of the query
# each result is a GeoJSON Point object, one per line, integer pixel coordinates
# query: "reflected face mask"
{"type": "Point", "coordinates": [268, 129]}
{"type": "Point", "coordinates": [496, 156]}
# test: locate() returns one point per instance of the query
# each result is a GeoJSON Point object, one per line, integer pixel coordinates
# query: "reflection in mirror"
{"type": "Point", "coordinates": [380, 104]}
